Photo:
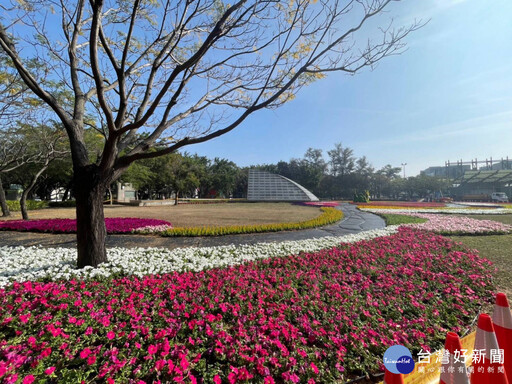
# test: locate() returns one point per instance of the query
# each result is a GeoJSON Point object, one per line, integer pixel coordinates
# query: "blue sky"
{"type": "Point", "coordinates": [448, 97]}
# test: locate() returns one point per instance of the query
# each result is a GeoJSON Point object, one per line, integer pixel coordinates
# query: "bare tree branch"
{"type": "Point", "coordinates": [154, 78]}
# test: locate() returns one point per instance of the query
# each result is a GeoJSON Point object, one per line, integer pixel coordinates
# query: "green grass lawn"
{"type": "Point", "coordinates": [497, 248]}
{"type": "Point", "coordinates": [505, 219]}
{"type": "Point", "coordinates": [393, 219]}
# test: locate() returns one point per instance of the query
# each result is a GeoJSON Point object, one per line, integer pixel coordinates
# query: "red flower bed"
{"type": "Point", "coordinates": [410, 204]}
{"type": "Point", "coordinates": [312, 318]}
{"type": "Point", "coordinates": [321, 203]}
{"type": "Point", "coordinates": [114, 225]}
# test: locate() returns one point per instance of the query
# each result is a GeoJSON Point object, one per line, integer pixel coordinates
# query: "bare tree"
{"type": "Point", "coordinates": [20, 145]}
{"type": "Point", "coordinates": [161, 75]}
{"type": "Point", "coordinates": [14, 153]}
{"type": "Point", "coordinates": [28, 150]}
{"type": "Point", "coordinates": [48, 147]}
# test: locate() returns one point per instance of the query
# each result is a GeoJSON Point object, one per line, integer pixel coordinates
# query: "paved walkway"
{"type": "Point", "coordinates": [354, 221]}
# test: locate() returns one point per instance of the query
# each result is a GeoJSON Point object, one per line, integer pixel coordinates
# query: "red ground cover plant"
{"type": "Point", "coordinates": [114, 225]}
{"type": "Point", "coordinates": [320, 203]}
{"type": "Point", "coordinates": [322, 317]}
{"type": "Point", "coordinates": [409, 204]}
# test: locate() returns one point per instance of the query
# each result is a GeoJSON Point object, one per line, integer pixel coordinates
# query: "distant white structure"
{"type": "Point", "coordinates": [125, 192]}
{"type": "Point", "coordinates": [57, 194]}
{"type": "Point", "coordinates": [265, 186]}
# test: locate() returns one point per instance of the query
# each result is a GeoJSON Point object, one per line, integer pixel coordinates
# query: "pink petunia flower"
{"type": "Point", "coordinates": [28, 379]}
{"type": "Point", "coordinates": [49, 370]}
{"type": "Point", "coordinates": [91, 359]}
{"type": "Point", "coordinates": [152, 349]}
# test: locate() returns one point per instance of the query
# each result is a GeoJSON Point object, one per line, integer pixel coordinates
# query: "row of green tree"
{"type": "Point", "coordinates": [183, 175]}
{"type": "Point", "coordinates": [342, 174]}
{"type": "Point", "coordinates": [41, 164]}
{"type": "Point", "coordinates": [339, 176]}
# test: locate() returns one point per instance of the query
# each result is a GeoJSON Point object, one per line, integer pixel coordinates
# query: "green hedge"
{"type": "Point", "coordinates": [14, 205]}
{"type": "Point", "coordinates": [328, 216]}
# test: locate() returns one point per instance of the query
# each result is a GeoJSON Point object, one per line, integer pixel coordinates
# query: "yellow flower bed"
{"type": "Point", "coordinates": [328, 216]}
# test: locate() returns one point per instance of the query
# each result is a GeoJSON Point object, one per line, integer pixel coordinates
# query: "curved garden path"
{"type": "Point", "coordinates": [354, 221]}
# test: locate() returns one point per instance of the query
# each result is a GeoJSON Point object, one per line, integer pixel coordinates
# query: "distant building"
{"type": "Point", "coordinates": [448, 171]}
{"type": "Point", "coordinates": [265, 186]}
{"type": "Point", "coordinates": [14, 192]}
{"type": "Point", "coordinates": [476, 180]}
{"type": "Point", "coordinates": [502, 165]}
{"type": "Point", "coordinates": [125, 192]}
{"type": "Point", "coordinates": [484, 183]}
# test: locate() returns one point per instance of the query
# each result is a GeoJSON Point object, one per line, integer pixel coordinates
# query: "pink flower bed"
{"type": "Point", "coordinates": [321, 203]}
{"type": "Point", "coordinates": [450, 224]}
{"type": "Point", "coordinates": [113, 225]}
{"type": "Point", "coordinates": [319, 317]}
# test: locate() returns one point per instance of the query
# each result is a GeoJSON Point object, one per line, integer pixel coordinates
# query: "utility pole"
{"type": "Point", "coordinates": [403, 165]}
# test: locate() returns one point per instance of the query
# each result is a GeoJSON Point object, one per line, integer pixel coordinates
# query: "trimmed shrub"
{"type": "Point", "coordinates": [14, 205]}
{"type": "Point", "coordinates": [363, 197]}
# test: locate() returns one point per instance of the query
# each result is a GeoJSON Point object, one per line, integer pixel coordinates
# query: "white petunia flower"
{"type": "Point", "coordinates": [32, 263]}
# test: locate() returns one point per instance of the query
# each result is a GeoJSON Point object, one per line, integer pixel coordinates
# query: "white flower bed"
{"type": "Point", "coordinates": [458, 211]}
{"type": "Point", "coordinates": [32, 263]}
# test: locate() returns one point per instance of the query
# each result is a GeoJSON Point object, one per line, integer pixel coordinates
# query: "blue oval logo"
{"type": "Point", "coordinates": [398, 359]}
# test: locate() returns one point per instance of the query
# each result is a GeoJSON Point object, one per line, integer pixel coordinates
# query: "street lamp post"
{"type": "Point", "coordinates": [403, 165]}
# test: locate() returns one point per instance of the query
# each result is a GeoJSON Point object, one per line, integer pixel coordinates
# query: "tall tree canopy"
{"type": "Point", "coordinates": [160, 75]}
{"type": "Point", "coordinates": [342, 160]}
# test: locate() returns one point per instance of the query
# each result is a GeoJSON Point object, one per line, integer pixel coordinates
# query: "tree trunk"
{"type": "Point", "coordinates": [23, 204]}
{"type": "Point", "coordinates": [111, 196]}
{"type": "Point", "coordinates": [91, 232]}
{"type": "Point", "coordinates": [176, 198]}
{"type": "Point", "coordinates": [3, 201]}
{"type": "Point", "coordinates": [26, 191]}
